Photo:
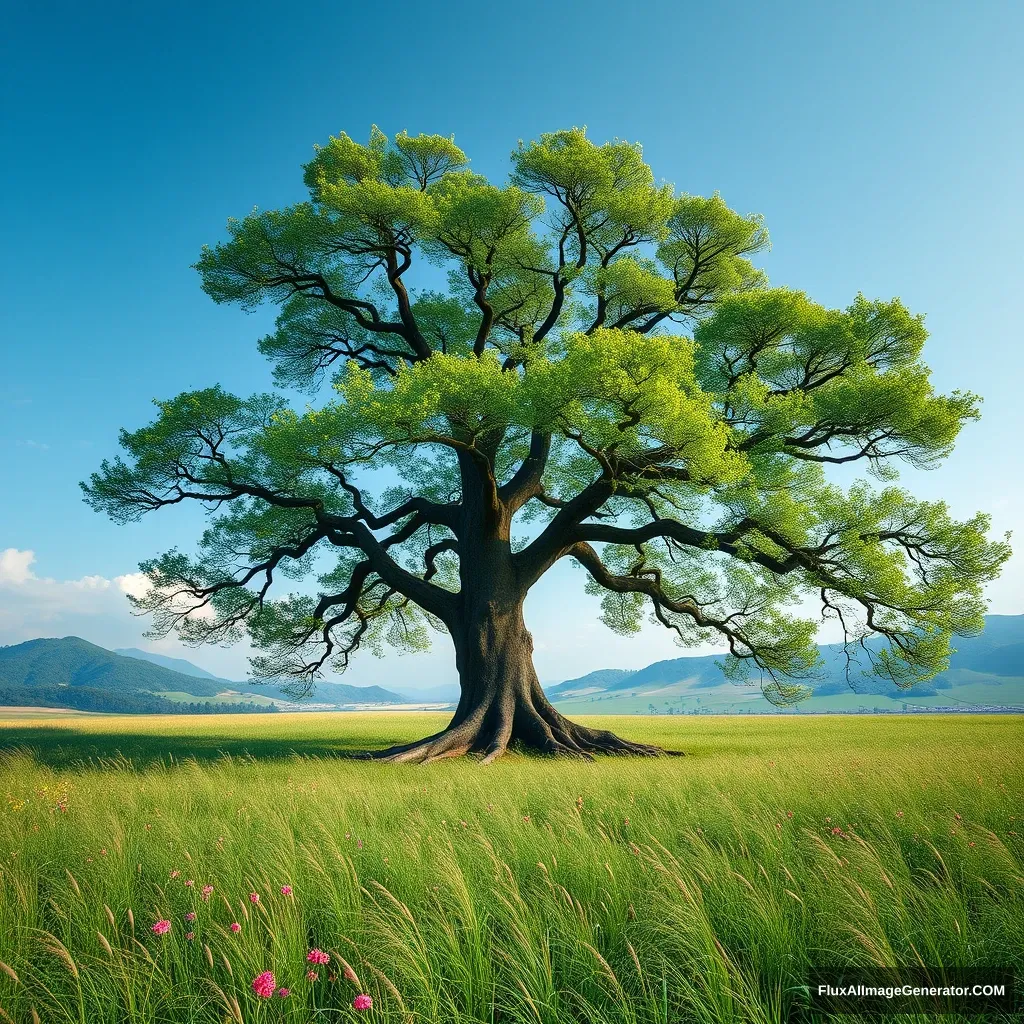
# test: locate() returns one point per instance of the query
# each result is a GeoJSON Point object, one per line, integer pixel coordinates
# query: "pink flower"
{"type": "Point", "coordinates": [207, 893]}
{"type": "Point", "coordinates": [190, 882]}
{"type": "Point", "coordinates": [362, 1002]}
{"type": "Point", "coordinates": [317, 956]}
{"type": "Point", "coordinates": [286, 890]}
{"type": "Point", "coordinates": [190, 936]}
{"type": "Point", "coordinates": [190, 916]}
{"type": "Point", "coordinates": [263, 984]}
{"type": "Point", "coordinates": [175, 873]}
{"type": "Point", "coordinates": [236, 927]}
{"type": "Point", "coordinates": [311, 975]}
{"type": "Point", "coordinates": [254, 897]}
{"type": "Point", "coordinates": [161, 927]}
{"type": "Point", "coordinates": [284, 992]}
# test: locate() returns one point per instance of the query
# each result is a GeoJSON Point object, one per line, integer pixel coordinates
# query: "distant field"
{"type": "Point", "coordinates": [972, 691]}
{"type": "Point", "coordinates": [8, 712]}
{"type": "Point", "coordinates": [219, 698]}
{"type": "Point", "coordinates": [670, 890]}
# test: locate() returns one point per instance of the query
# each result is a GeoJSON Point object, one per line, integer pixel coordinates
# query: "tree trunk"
{"type": "Point", "coordinates": [502, 702]}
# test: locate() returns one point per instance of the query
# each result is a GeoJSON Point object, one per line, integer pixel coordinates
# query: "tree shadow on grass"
{"type": "Point", "coordinates": [67, 747]}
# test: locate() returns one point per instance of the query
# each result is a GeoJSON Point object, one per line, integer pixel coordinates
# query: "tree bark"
{"type": "Point", "coordinates": [502, 703]}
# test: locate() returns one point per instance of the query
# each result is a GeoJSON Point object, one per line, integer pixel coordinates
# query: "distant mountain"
{"type": "Point", "coordinates": [72, 663]}
{"type": "Point", "coordinates": [995, 655]}
{"type": "Point", "coordinates": [601, 679]}
{"type": "Point", "coordinates": [446, 693]}
{"type": "Point", "coordinates": [186, 668]}
{"type": "Point", "coordinates": [326, 691]}
{"type": "Point", "coordinates": [332, 693]}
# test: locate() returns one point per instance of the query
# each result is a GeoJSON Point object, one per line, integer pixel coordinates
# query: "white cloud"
{"type": "Point", "coordinates": [14, 565]}
{"type": "Point", "coordinates": [93, 607]}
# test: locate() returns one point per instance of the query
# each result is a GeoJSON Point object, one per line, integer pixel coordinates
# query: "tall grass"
{"type": "Point", "coordinates": [622, 892]}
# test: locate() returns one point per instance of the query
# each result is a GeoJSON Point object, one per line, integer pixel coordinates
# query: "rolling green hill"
{"type": "Point", "coordinates": [986, 671]}
{"type": "Point", "coordinates": [71, 661]}
{"type": "Point", "coordinates": [52, 668]}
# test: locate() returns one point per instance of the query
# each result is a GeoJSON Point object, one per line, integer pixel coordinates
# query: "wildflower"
{"type": "Point", "coordinates": [312, 976]}
{"type": "Point", "coordinates": [149, 828]}
{"type": "Point", "coordinates": [625, 821]}
{"type": "Point", "coordinates": [103, 852]}
{"type": "Point", "coordinates": [286, 890]}
{"type": "Point", "coordinates": [332, 977]}
{"type": "Point", "coordinates": [359, 844]}
{"type": "Point", "coordinates": [899, 814]}
{"type": "Point", "coordinates": [190, 916]}
{"type": "Point", "coordinates": [236, 927]}
{"type": "Point", "coordinates": [362, 1002]}
{"type": "Point", "coordinates": [175, 873]}
{"type": "Point", "coordinates": [970, 844]}
{"type": "Point", "coordinates": [190, 936]}
{"type": "Point", "coordinates": [161, 927]}
{"type": "Point", "coordinates": [254, 897]}
{"type": "Point", "coordinates": [837, 831]}
{"type": "Point", "coordinates": [206, 893]}
{"type": "Point", "coordinates": [190, 882]}
{"type": "Point", "coordinates": [284, 992]}
{"type": "Point", "coordinates": [526, 817]}
{"type": "Point", "coordinates": [789, 814]}
{"type": "Point", "coordinates": [317, 956]}
{"type": "Point", "coordinates": [263, 984]}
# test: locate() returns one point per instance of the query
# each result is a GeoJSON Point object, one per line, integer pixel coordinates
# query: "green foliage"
{"type": "Point", "coordinates": [608, 364]}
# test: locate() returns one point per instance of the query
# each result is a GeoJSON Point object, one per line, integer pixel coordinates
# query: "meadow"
{"type": "Point", "coordinates": [699, 889]}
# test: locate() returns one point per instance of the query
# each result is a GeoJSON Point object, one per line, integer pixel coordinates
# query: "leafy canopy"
{"type": "Point", "coordinates": [607, 363]}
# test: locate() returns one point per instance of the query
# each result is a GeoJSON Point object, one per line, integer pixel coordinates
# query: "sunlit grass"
{"type": "Point", "coordinates": [684, 889]}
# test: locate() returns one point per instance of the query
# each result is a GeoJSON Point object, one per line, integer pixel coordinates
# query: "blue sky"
{"type": "Point", "coordinates": [882, 143]}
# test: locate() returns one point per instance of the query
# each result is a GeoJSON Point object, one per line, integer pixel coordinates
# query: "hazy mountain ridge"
{"type": "Point", "coordinates": [985, 669]}
{"type": "Point", "coordinates": [72, 664]}
{"type": "Point", "coordinates": [998, 652]}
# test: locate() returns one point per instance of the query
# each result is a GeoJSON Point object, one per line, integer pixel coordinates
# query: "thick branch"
{"type": "Point", "coordinates": [526, 482]}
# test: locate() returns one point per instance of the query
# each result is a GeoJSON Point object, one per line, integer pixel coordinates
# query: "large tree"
{"type": "Point", "coordinates": [551, 382]}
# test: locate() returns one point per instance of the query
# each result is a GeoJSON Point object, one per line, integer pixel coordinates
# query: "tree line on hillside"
{"type": "Point", "coordinates": [88, 698]}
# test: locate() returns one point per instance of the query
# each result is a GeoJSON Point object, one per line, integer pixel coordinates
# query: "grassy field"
{"type": "Point", "coordinates": [685, 889]}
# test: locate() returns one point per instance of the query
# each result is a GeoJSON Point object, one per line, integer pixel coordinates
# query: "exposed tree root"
{"type": "Point", "coordinates": [530, 725]}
